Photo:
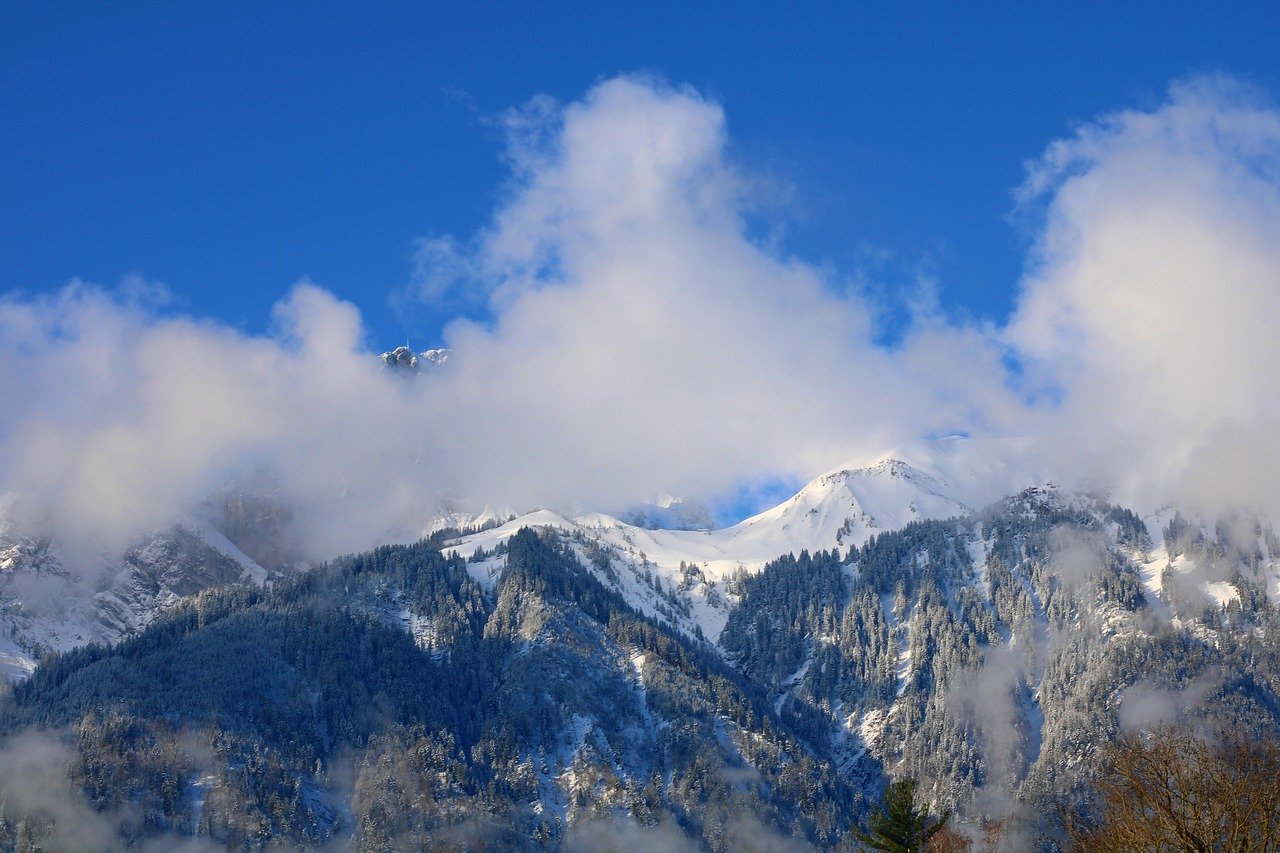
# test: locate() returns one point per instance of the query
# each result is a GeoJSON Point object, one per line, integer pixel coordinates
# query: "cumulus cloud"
{"type": "Point", "coordinates": [1151, 307]}
{"type": "Point", "coordinates": [639, 342]}
{"type": "Point", "coordinates": [639, 331]}
{"type": "Point", "coordinates": [636, 339]}
{"type": "Point", "coordinates": [119, 418]}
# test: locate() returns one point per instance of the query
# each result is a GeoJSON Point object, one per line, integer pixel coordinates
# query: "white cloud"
{"type": "Point", "coordinates": [641, 341]}
{"type": "Point", "coordinates": [640, 332]}
{"type": "Point", "coordinates": [118, 417]}
{"type": "Point", "coordinates": [1156, 294]}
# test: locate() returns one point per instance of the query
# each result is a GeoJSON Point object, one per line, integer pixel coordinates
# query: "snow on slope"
{"type": "Point", "coordinates": [218, 542]}
{"type": "Point", "coordinates": [837, 510]}
{"type": "Point", "coordinates": [846, 507]}
{"type": "Point", "coordinates": [1196, 573]}
{"type": "Point", "coordinates": [15, 664]}
{"type": "Point", "coordinates": [52, 601]}
{"type": "Point", "coordinates": [840, 509]}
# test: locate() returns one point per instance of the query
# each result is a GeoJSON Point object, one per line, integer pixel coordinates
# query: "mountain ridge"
{"type": "Point", "coordinates": [986, 655]}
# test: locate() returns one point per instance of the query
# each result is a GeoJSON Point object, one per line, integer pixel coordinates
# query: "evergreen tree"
{"type": "Point", "coordinates": [898, 826]}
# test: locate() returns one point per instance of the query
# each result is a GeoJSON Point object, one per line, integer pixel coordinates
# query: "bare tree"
{"type": "Point", "coordinates": [1174, 790]}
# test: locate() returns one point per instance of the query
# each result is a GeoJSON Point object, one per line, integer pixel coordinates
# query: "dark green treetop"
{"type": "Point", "coordinates": [898, 826]}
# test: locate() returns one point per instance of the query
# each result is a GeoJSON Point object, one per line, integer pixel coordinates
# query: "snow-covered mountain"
{"type": "Point", "coordinates": [53, 602]}
{"type": "Point", "coordinates": [838, 509]}
{"type": "Point", "coordinates": [406, 360]}
{"type": "Point", "coordinates": [562, 676]}
{"type": "Point", "coordinates": [981, 652]}
{"type": "Point", "coordinates": [886, 620]}
{"type": "Point", "coordinates": [939, 611]}
{"type": "Point", "coordinates": [683, 576]}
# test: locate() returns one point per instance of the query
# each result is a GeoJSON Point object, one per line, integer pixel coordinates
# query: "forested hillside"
{"type": "Point", "coordinates": [992, 657]}
{"type": "Point", "coordinates": [397, 698]}
{"type": "Point", "coordinates": [308, 713]}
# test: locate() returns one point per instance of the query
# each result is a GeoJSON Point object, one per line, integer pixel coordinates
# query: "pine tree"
{"type": "Point", "coordinates": [898, 826]}
{"type": "Point", "coordinates": [26, 842]}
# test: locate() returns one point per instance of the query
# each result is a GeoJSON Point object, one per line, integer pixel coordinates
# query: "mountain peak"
{"type": "Point", "coordinates": [403, 359]}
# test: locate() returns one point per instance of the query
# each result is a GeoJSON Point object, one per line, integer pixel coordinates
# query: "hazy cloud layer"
{"type": "Point", "coordinates": [641, 341]}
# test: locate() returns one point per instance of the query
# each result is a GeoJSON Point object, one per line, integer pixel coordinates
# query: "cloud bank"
{"type": "Point", "coordinates": [638, 339]}
{"type": "Point", "coordinates": [1154, 298]}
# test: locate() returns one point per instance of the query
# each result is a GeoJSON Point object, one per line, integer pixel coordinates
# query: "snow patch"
{"type": "Point", "coordinates": [15, 664]}
{"type": "Point", "coordinates": [1221, 592]}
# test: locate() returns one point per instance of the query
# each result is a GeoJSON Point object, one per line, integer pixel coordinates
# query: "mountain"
{"type": "Point", "coordinates": [839, 509]}
{"type": "Point", "coordinates": [405, 360]}
{"type": "Point", "coordinates": [51, 601]}
{"type": "Point", "coordinates": [989, 655]}
{"type": "Point", "coordinates": [465, 712]}
{"type": "Point", "coordinates": [549, 689]}
{"type": "Point", "coordinates": [559, 682]}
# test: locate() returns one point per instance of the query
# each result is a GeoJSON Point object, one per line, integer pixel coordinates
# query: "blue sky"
{"type": "Point", "coordinates": [228, 150]}
{"type": "Point", "coordinates": [688, 233]}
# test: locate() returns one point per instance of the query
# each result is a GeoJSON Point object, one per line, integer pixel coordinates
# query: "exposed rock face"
{"type": "Point", "coordinates": [400, 358]}
{"type": "Point", "coordinates": [405, 360]}
{"type": "Point", "coordinates": [49, 602]}
{"type": "Point", "coordinates": [154, 576]}
{"type": "Point", "coordinates": [259, 525]}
